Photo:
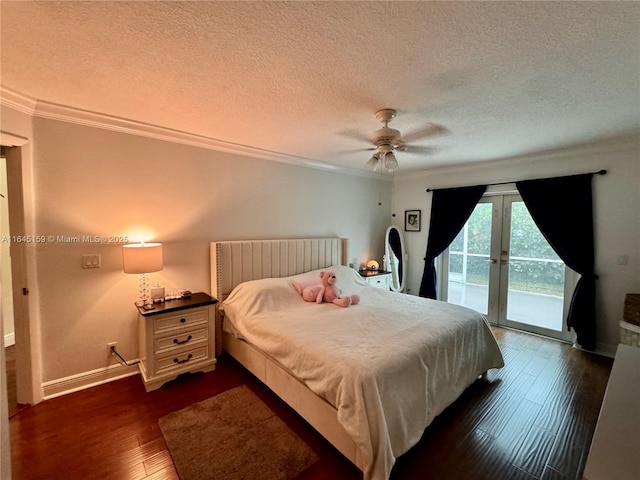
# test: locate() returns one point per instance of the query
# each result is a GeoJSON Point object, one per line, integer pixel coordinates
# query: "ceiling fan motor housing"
{"type": "Point", "coordinates": [386, 136]}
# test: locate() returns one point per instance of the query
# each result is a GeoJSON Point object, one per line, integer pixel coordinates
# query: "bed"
{"type": "Point", "coordinates": [371, 377]}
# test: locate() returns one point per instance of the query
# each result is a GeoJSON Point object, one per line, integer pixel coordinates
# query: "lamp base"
{"type": "Point", "coordinates": [145, 298]}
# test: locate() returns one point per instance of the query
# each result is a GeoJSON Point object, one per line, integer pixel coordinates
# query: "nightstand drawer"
{"type": "Point", "coordinates": [377, 278]}
{"type": "Point", "coordinates": [180, 339]}
{"type": "Point", "coordinates": [181, 359]}
{"type": "Point", "coordinates": [381, 281]}
{"type": "Point", "coordinates": [187, 319]}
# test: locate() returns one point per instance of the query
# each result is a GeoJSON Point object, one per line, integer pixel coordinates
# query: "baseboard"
{"type": "Point", "coordinates": [9, 339]}
{"type": "Point", "coordinates": [74, 383]}
{"type": "Point", "coordinates": [602, 349]}
{"type": "Point", "coordinates": [606, 349]}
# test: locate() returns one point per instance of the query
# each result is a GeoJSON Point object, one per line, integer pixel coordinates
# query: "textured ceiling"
{"type": "Point", "coordinates": [306, 78]}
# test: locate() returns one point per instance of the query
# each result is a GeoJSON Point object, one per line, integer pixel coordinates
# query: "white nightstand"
{"type": "Point", "coordinates": [377, 278]}
{"type": "Point", "coordinates": [177, 336]}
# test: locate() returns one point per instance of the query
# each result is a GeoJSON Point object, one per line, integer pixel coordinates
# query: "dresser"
{"type": "Point", "coordinates": [377, 278]}
{"type": "Point", "coordinates": [176, 337]}
{"type": "Point", "coordinates": [615, 448]}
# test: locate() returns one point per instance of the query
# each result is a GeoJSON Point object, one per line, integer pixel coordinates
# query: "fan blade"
{"type": "Point", "coordinates": [419, 149]}
{"type": "Point", "coordinates": [355, 135]}
{"type": "Point", "coordinates": [431, 130]}
{"type": "Point", "coordinates": [355, 150]}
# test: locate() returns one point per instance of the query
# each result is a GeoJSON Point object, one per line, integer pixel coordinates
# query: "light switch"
{"type": "Point", "coordinates": [623, 260]}
{"type": "Point", "coordinates": [91, 261]}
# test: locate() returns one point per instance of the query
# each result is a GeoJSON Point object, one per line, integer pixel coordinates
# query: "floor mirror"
{"type": "Point", "coordinates": [395, 258]}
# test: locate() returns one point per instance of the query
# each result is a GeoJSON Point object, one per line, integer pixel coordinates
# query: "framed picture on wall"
{"type": "Point", "coordinates": [412, 220]}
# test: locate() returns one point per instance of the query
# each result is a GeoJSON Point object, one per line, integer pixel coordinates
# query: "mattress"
{"type": "Point", "coordinates": [389, 365]}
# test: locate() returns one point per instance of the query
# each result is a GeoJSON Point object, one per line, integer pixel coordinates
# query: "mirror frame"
{"type": "Point", "coordinates": [397, 284]}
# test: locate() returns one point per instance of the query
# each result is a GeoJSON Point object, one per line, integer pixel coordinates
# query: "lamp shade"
{"type": "Point", "coordinates": [142, 257]}
{"type": "Point", "coordinates": [372, 265]}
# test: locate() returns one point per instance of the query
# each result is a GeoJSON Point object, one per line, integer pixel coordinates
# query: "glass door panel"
{"type": "Point", "coordinates": [469, 261]}
{"type": "Point", "coordinates": [535, 275]}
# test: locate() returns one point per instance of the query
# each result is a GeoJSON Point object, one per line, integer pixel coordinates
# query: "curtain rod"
{"type": "Point", "coordinates": [599, 172]}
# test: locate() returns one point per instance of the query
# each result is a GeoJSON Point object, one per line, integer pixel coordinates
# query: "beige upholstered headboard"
{"type": "Point", "coordinates": [234, 262]}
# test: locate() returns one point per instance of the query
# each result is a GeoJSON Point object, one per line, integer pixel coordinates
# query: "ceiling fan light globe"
{"type": "Point", "coordinates": [390, 161]}
{"type": "Point", "coordinates": [373, 162]}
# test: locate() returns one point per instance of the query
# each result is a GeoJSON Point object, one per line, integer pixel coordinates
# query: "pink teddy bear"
{"type": "Point", "coordinates": [331, 294]}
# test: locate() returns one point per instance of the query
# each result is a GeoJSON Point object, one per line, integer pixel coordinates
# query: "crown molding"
{"type": "Point", "coordinates": [63, 113]}
{"type": "Point", "coordinates": [626, 143]}
{"type": "Point", "coordinates": [17, 101]}
{"type": "Point", "coordinates": [87, 118]}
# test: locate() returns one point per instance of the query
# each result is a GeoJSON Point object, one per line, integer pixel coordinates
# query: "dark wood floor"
{"type": "Point", "coordinates": [532, 419]}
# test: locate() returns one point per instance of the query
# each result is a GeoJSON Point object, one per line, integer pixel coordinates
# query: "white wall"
{"type": "Point", "coordinates": [616, 220]}
{"type": "Point", "coordinates": [89, 181]}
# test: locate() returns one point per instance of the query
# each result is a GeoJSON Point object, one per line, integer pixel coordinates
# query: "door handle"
{"type": "Point", "coordinates": [492, 260]}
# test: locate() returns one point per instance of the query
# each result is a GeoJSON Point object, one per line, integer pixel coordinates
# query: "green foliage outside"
{"type": "Point", "coordinates": [545, 274]}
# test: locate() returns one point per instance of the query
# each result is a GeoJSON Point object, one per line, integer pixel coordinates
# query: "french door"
{"type": "Point", "coordinates": [501, 265]}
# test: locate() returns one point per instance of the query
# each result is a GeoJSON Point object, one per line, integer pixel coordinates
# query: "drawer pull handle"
{"type": "Point", "coordinates": [180, 342]}
{"type": "Point", "coordinates": [175, 360]}
{"type": "Point", "coordinates": [182, 320]}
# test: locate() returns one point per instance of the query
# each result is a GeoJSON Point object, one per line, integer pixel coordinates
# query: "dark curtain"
{"type": "Point", "coordinates": [450, 210]}
{"type": "Point", "coordinates": [562, 210]}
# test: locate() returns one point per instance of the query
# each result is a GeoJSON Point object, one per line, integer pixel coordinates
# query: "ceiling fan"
{"type": "Point", "coordinates": [387, 140]}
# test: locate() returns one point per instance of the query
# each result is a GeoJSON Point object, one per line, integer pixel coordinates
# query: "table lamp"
{"type": "Point", "coordinates": [142, 258]}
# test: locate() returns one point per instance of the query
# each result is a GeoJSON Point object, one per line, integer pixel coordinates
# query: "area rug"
{"type": "Point", "coordinates": [234, 436]}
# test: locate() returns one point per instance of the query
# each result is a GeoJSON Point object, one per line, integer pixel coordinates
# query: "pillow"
{"type": "Point", "coordinates": [272, 294]}
{"type": "Point", "coordinates": [347, 277]}
{"type": "Point", "coordinates": [305, 280]}
{"type": "Point", "coordinates": [258, 296]}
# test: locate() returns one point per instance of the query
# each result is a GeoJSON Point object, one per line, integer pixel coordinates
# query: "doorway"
{"type": "Point", "coordinates": [6, 293]}
{"type": "Point", "coordinates": [27, 371]}
{"type": "Point", "coordinates": [502, 266]}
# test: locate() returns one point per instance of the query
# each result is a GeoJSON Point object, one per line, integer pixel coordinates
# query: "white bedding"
{"type": "Point", "coordinates": [389, 364]}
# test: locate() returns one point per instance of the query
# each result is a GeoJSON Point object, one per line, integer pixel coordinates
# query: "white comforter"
{"type": "Point", "coordinates": [389, 365]}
